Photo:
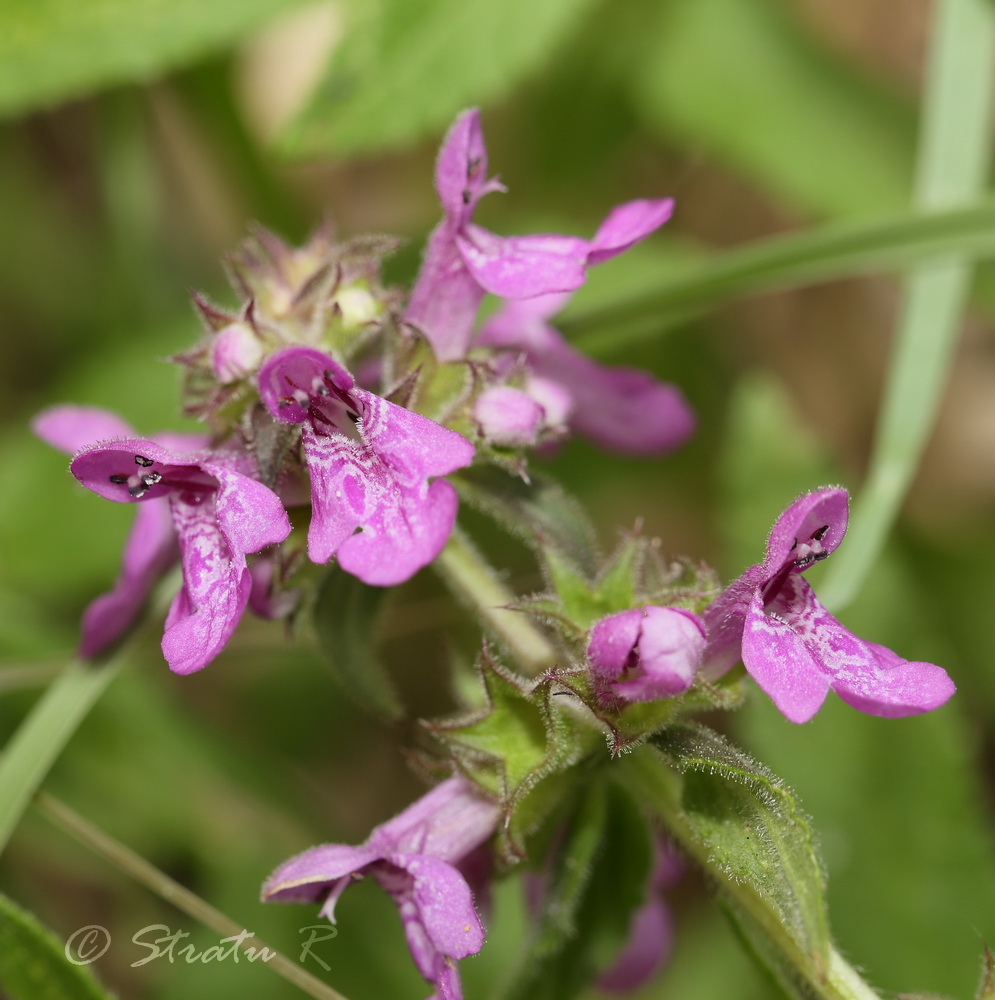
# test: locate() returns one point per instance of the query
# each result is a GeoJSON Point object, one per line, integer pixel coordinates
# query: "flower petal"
{"type": "Point", "coordinates": [518, 267]}
{"type": "Point", "coordinates": [893, 687]}
{"type": "Point", "coordinates": [380, 484]}
{"type": "Point", "coordinates": [401, 536]}
{"type": "Point", "coordinates": [804, 517]}
{"type": "Point", "coordinates": [149, 551]}
{"type": "Point", "coordinates": [461, 169]}
{"type": "Point", "coordinates": [216, 584]}
{"type": "Point", "coordinates": [444, 301]}
{"type": "Point", "coordinates": [436, 908]}
{"type": "Point", "coordinates": [306, 877]}
{"type": "Point", "coordinates": [249, 514]}
{"type": "Point", "coordinates": [622, 409]}
{"type": "Point", "coordinates": [782, 664]}
{"type": "Point", "coordinates": [70, 428]}
{"type": "Point", "coordinates": [626, 225]}
{"type": "Point", "coordinates": [651, 938]}
{"type": "Point", "coordinates": [448, 822]}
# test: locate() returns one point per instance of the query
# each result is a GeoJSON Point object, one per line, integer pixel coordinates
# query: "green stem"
{"type": "Point", "coordinates": [146, 874]}
{"type": "Point", "coordinates": [952, 170]}
{"type": "Point", "coordinates": [827, 977]}
{"type": "Point", "coordinates": [475, 582]}
{"type": "Point", "coordinates": [42, 735]}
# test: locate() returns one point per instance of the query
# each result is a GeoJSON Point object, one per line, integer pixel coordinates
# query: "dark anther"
{"type": "Point", "coordinates": [322, 390]}
{"type": "Point", "coordinates": [820, 534]}
{"type": "Point", "coordinates": [354, 417]}
{"type": "Point", "coordinates": [794, 545]}
{"type": "Point", "coordinates": [466, 197]}
{"type": "Point", "coordinates": [473, 166]}
{"type": "Point", "coordinates": [813, 557]}
{"type": "Point", "coordinates": [287, 401]}
{"type": "Point", "coordinates": [138, 491]}
{"type": "Point", "coordinates": [151, 478]}
{"type": "Point", "coordinates": [119, 480]}
{"type": "Point", "coordinates": [143, 461]}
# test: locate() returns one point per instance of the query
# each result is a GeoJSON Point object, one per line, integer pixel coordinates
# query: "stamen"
{"type": "Point", "coordinates": [466, 196]}
{"type": "Point", "coordinates": [820, 534]}
{"type": "Point", "coordinates": [119, 480]}
{"type": "Point", "coordinates": [143, 461]}
{"type": "Point", "coordinates": [151, 478]}
{"type": "Point", "coordinates": [138, 491]}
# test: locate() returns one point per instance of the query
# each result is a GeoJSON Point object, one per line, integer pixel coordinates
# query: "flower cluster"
{"type": "Point", "coordinates": [285, 412]}
{"type": "Point", "coordinates": [334, 411]}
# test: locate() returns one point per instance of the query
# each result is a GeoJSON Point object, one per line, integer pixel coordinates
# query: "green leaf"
{"type": "Point", "coordinates": [953, 162]}
{"type": "Point", "coordinates": [753, 831]}
{"type": "Point", "coordinates": [345, 618]}
{"type": "Point", "coordinates": [598, 878]}
{"type": "Point", "coordinates": [33, 963]}
{"type": "Point", "coordinates": [406, 67]}
{"type": "Point", "coordinates": [519, 740]}
{"type": "Point", "coordinates": [749, 83]}
{"type": "Point", "coordinates": [52, 50]}
{"type": "Point", "coordinates": [833, 251]}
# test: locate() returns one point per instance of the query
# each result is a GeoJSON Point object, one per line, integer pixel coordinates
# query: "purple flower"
{"type": "Point", "coordinates": [622, 409]}
{"type": "Point", "coordinates": [414, 857]}
{"type": "Point", "coordinates": [463, 261]}
{"type": "Point", "coordinates": [795, 650]}
{"type": "Point", "coordinates": [151, 546]}
{"type": "Point", "coordinates": [651, 933]}
{"type": "Point", "coordinates": [218, 513]}
{"type": "Point", "coordinates": [645, 654]}
{"type": "Point", "coordinates": [369, 463]}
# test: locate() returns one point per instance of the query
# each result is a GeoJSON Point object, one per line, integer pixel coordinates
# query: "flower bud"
{"type": "Point", "coordinates": [508, 418]}
{"type": "Point", "coordinates": [646, 653]}
{"type": "Point", "coordinates": [235, 352]}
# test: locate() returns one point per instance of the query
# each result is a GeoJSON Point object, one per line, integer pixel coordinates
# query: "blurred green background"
{"type": "Point", "coordinates": [138, 141]}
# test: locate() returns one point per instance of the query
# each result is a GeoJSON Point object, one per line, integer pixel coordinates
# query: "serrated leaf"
{"type": "Point", "coordinates": [754, 831]}
{"type": "Point", "coordinates": [406, 67]}
{"type": "Point", "coordinates": [345, 619]}
{"type": "Point", "coordinates": [516, 742]}
{"type": "Point", "coordinates": [34, 965]}
{"type": "Point", "coordinates": [52, 50]}
{"type": "Point", "coordinates": [598, 878]}
{"type": "Point", "coordinates": [539, 512]}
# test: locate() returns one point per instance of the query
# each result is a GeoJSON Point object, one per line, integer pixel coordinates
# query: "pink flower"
{"type": "Point", "coordinates": [621, 409]}
{"type": "Point", "coordinates": [651, 933]}
{"type": "Point", "coordinates": [463, 261]}
{"type": "Point", "coordinates": [646, 653]}
{"type": "Point", "coordinates": [794, 649]}
{"type": "Point", "coordinates": [414, 857]}
{"type": "Point", "coordinates": [151, 546]}
{"type": "Point", "coordinates": [218, 514]}
{"type": "Point", "coordinates": [369, 463]}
